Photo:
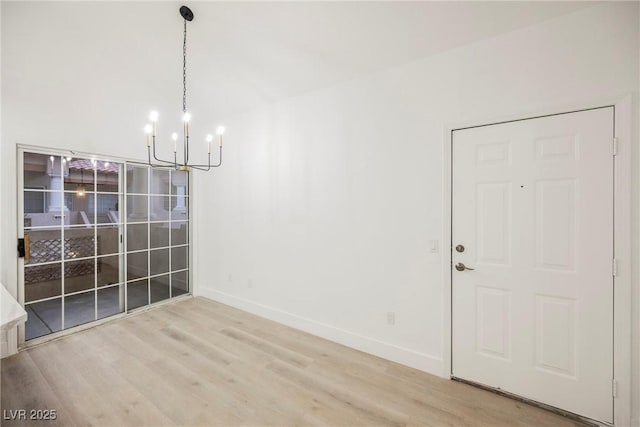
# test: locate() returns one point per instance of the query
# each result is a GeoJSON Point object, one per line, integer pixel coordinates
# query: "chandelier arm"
{"type": "Point", "coordinates": [157, 166]}
{"type": "Point", "coordinates": [219, 158]}
{"type": "Point", "coordinates": [154, 154]}
{"type": "Point", "coordinates": [209, 166]}
{"type": "Point", "coordinates": [158, 160]}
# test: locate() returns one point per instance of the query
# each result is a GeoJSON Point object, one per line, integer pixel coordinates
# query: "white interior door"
{"type": "Point", "coordinates": [533, 208]}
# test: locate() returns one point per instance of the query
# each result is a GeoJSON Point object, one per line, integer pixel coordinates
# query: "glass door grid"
{"type": "Point", "coordinates": [82, 264]}
{"type": "Point", "coordinates": [156, 229]}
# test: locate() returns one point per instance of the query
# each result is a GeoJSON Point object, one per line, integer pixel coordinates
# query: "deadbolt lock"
{"type": "Point", "coordinates": [460, 248]}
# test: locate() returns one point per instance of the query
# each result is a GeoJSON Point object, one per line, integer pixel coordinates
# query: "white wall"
{"type": "Point", "coordinates": [323, 213]}
{"type": "Point", "coordinates": [74, 76]}
{"type": "Point", "coordinates": [2, 267]}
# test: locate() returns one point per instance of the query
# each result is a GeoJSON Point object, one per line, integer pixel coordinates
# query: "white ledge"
{"type": "Point", "coordinates": [11, 312]}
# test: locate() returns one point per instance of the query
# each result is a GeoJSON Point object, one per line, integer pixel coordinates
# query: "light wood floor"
{"type": "Point", "coordinates": [197, 362]}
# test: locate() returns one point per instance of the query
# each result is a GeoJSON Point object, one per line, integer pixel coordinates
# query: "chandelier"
{"type": "Point", "coordinates": [150, 129]}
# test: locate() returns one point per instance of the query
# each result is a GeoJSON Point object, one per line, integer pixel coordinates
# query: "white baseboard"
{"type": "Point", "coordinates": [404, 356]}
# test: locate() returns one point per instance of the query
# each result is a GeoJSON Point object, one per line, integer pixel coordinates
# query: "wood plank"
{"type": "Point", "coordinates": [80, 398]}
{"type": "Point", "coordinates": [25, 388]}
{"type": "Point", "coordinates": [129, 403]}
{"type": "Point", "coordinates": [374, 412]}
{"type": "Point", "coordinates": [199, 362]}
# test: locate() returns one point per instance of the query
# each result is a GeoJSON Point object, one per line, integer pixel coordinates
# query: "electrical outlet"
{"type": "Point", "coordinates": [391, 318]}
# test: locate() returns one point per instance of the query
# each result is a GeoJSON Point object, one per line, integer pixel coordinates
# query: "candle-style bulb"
{"type": "Point", "coordinates": [186, 118]}
{"type": "Point", "coordinates": [147, 131]}
{"type": "Point", "coordinates": [220, 132]}
{"type": "Point", "coordinates": [174, 137]}
{"type": "Point", "coordinates": [209, 139]}
{"type": "Point", "coordinates": [153, 116]}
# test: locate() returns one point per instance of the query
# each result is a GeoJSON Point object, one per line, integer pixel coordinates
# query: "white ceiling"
{"type": "Point", "coordinates": [262, 52]}
{"type": "Point", "coordinates": [243, 54]}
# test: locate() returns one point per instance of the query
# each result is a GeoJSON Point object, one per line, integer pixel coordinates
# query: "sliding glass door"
{"type": "Point", "coordinates": [101, 238]}
{"type": "Point", "coordinates": [157, 228]}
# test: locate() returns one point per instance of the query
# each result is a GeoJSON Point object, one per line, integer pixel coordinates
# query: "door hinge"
{"type": "Point", "coordinates": [614, 267]}
{"type": "Point", "coordinates": [614, 388]}
{"type": "Point", "coordinates": [615, 146]}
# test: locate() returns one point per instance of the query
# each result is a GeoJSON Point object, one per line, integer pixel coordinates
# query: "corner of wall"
{"type": "Point", "coordinates": [1, 146]}
{"type": "Point", "coordinates": [421, 361]}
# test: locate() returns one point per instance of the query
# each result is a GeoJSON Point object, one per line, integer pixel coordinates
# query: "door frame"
{"type": "Point", "coordinates": [623, 130]}
{"type": "Point", "coordinates": [20, 150]}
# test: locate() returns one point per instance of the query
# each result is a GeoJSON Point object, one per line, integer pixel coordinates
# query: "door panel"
{"type": "Point", "coordinates": [533, 206]}
{"type": "Point", "coordinates": [101, 237]}
{"type": "Point", "coordinates": [59, 212]}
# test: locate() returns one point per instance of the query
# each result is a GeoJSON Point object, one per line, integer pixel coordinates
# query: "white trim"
{"type": "Point", "coordinates": [446, 250]}
{"type": "Point", "coordinates": [622, 248]}
{"type": "Point", "coordinates": [191, 283]}
{"type": "Point", "coordinates": [622, 235]}
{"type": "Point", "coordinates": [122, 228]}
{"type": "Point", "coordinates": [96, 156]}
{"type": "Point", "coordinates": [422, 361]}
{"type": "Point", "coordinates": [20, 229]}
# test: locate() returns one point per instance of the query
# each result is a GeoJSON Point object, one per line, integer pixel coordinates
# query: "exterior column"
{"type": "Point", "coordinates": [56, 173]}
{"type": "Point", "coordinates": [139, 204]}
{"type": "Point", "coordinates": [55, 197]}
{"type": "Point", "coordinates": [180, 199]}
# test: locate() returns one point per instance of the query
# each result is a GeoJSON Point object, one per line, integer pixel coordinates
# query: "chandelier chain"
{"type": "Point", "coordinates": [184, 69]}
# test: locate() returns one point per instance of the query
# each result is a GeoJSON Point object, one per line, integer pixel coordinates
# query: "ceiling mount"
{"type": "Point", "coordinates": [186, 13]}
